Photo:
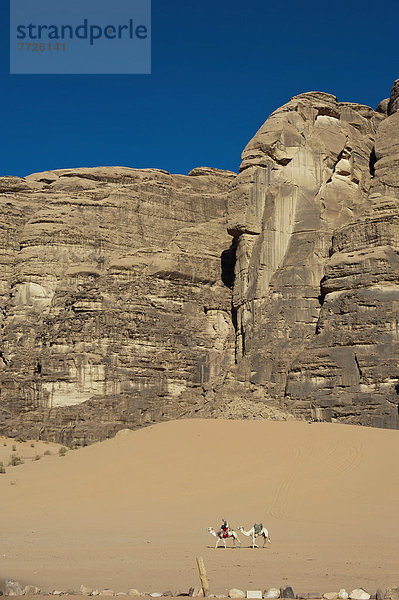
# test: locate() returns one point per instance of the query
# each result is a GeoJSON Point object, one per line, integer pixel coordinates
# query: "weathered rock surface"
{"type": "Point", "coordinates": [31, 590]}
{"type": "Point", "coordinates": [304, 174]}
{"type": "Point", "coordinates": [235, 593]}
{"type": "Point", "coordinates": [272, 593]}
{"type": "Point", "coordinates": [13, 588]}
{"type": "Point", "coordinates": [359, 594]}
{"type": "Point", "coordinates": [391, 593]}
{"type": "Point", "coordinates": [349, 369]}
{"type": "Point", "coordinates": [115, 298]}
{"type": "Point", "coordinates": [131, 296]}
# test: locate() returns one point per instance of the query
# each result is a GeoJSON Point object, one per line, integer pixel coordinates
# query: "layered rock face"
{"type": "Point", "coordinates": [350, 370]}
{"type": "Point", "coordinates": [131, 296]}
{"type": "Point", "coordinates": [304, 174]}
{"type": "Point", "coordinates": [115, 297]}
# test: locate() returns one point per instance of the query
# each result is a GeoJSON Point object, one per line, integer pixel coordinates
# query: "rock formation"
{"type": "Point", "coordinates": [115, 298]}
{"type": "Point", "coordinates": [129, 296]}
{"type": "Point", "coordinates": [350, 371]}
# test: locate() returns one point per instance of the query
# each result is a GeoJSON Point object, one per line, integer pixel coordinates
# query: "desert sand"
{"type": "Point", "coordinates": [132, 511]}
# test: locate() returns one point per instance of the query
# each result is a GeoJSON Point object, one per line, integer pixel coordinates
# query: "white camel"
{"type": "Point", "coordinates": [219, 535]}
{"type": "Point", "coordinates": [256, 531]}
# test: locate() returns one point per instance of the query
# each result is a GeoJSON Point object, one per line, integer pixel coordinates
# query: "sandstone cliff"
{"type": "Point", "coordinates": [130, 296]}
{"type": "Point", "coordinates": [115, 298]}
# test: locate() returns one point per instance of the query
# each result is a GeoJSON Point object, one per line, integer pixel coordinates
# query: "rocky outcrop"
{"type": "Point", "coordinates": [131, 296]}
{"type": "Point", "coordinates": [115, 298]}
{"type": "Point", "coordinates": [349, 371]}
{"type": "Point", "coordinates": [304, 174]}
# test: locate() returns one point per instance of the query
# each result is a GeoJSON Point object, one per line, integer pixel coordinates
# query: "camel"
{"type": "Point", "coordinates": [256, 532]}
{"type": "Point", "coordinates": [219, 536]}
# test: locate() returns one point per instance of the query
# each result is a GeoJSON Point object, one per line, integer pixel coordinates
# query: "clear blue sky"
{"type": "Point", "coordinates": [219, 68]}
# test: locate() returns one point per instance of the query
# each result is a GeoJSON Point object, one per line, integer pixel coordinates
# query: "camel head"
{"type": "Point", "coordinates": [240, 528]}
{"type": "Point", "coordinates": [210, 529]}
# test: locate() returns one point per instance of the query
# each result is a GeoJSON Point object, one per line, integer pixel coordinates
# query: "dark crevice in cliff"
{"type": "Point", "coordinates": [358, 367]}
{"type": "Point", "coordinates": [320, 298]}
{"type": "Point", "coordinates": [283, 161]}
{"type": "Point", "coordinates": [372, 161]}
{"type": "Point", "coordinates": [228, 261]}
{"type": "Point", "coordinates": [235, 325]}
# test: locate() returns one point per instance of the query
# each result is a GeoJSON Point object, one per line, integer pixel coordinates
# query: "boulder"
{"type": "Point", "coordinates": [134, 592]}
{"type": "Point", "coordinates": [235, 593]}
{"type": "Point", "coordinates": [287, 592]}
{"type": "Point", "coordinates": [272, 593]}
{"type": "Point", "coordinates": [254, 594]}
{"type": "Point", "coordinates": [32, 590]}
{"type": "Point", "coordinates": [359, 594]}
{"type": "Point", "coordinates": [13, 588]}
{"type": "Point", "coordinates": [391, 593]}
{"type": "Point", "coordinates": [107, 592]}
{"type": "Point", "coordinates": [343, 594]}
{"type": "Point", "coordinates": [330, 595]}
{"type": "Point", "coordinates": [86, 591]}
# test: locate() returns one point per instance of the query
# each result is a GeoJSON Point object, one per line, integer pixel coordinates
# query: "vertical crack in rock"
{"type": "Point", "coordinates": [372, 162]}
{"type": "Point", "coordinates": [358, 367]}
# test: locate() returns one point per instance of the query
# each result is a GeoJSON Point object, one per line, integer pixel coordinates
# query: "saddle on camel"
{"type": "Point", "coordinates": [258, 528]}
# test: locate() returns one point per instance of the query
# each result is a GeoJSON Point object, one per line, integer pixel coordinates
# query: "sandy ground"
{"type": "Point", "coordinates": [27, 450]}
{"type": "Point", "coordinates": [132, 512]}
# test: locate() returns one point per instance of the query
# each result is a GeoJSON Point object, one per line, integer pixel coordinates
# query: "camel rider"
{"type": "Point", "coordinates": [224, 528]}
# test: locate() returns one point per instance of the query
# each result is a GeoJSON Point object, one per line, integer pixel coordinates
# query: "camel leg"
{"type": "Point", "coordinates": [224, 542]}
{"type": "Point", "coordinates": [235, 539]}
{"type": "Point", "coordinates": [217, 541]}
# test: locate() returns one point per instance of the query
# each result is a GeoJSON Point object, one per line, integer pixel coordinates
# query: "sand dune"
{"type": "Point", "coordinates": [133, 511]}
